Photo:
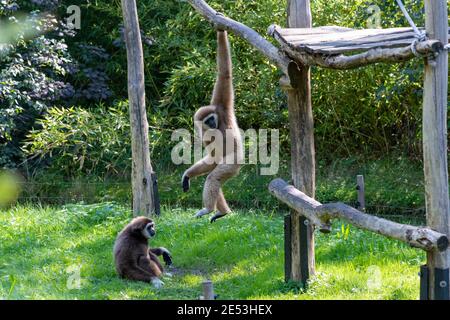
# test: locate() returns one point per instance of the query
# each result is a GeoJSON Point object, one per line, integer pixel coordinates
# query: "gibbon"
{"type": "Point", "coordinates": [134, 259]}
{"type": "Point", "coordinates": [220, 135]}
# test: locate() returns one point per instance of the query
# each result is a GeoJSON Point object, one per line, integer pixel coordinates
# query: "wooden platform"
{"type": "Point", "coordinates": [337, 40]}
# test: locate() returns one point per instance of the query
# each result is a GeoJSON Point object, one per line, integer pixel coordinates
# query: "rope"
{"type": "Point", "coordinates": [420, 35]}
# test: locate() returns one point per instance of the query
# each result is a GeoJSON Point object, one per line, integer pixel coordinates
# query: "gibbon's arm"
{"type": "Point", "coordinates": [223, 90]}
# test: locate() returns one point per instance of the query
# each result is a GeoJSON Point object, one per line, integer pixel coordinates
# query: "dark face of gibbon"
{"type": "Point", "coordinates": [143, 226]}
{"type": "Point", "coordinates": [211, 121]}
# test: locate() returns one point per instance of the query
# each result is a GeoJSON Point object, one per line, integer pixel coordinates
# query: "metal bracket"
{"type": "Point", "coordinates": [156, 194]}
{"type": "Point", "coordinates": [287, 248]}
{"type": "Point", "coordinates": [441, 284]}
{"type": "Point", "coordinates": [424, 282]}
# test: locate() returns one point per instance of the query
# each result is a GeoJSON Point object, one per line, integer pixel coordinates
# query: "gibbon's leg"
{"type": "Point", "coordinates": [222, 207]}
{"type": "Point", "coordinates": [204, 166]}
{"type": "Point", "coordinates": [149, 271]}
{"type": "Point", "coordinates": [155, 259]}
{"type": "Point", "coordinates": [149, 266]}
{"type": "Point", "coordinates": [213, 184]}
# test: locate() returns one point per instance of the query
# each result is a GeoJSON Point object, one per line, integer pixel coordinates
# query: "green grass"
{"type": "Point", "coordinates": [242, 254]}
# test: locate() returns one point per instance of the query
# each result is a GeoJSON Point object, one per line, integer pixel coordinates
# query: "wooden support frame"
{"type": "Point", "coordinates": [435, 142]}
{"type": "Point", "coordinates": [142, 179]}
{"type": "Point", "coordinates": [301, 125]}
{"type": "Point", "coordinates": [322, 214]}
{"type": "Point", "coordinates": [296, 82]}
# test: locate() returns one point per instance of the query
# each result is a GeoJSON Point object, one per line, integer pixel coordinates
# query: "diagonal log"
{"type": "Point", "coordinates": [254, 38]}
{"type": "Point", "coordinates": [321, 215]}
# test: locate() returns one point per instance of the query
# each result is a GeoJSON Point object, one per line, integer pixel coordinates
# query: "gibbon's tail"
{"type": "Point", "coordinates": [223, 94]}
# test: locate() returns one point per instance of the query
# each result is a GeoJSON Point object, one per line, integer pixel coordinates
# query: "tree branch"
{"type": "Point", "coordinates": [254, 38]}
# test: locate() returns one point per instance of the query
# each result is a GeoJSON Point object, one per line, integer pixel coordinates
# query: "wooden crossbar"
{"type": "Point", "coordinates": [321, 215]}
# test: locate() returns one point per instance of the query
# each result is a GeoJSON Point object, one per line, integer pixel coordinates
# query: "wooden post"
{"type": "Point", "coordinates": [302, 150]}
{"type": "Point", "coordinates": [142, 183]}
{"type": "Point", "coordinates": [208, 290]}
{"type": "Point", "coordinates": [361, 193]}
{"type": "Point", "coordinates": [435, 147]}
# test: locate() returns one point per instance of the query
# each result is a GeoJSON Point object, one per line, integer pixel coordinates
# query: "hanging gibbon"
{"type": "Point", "coordinates": [134, 259]}
{"type": "Point", "coordinates": [220, 135]}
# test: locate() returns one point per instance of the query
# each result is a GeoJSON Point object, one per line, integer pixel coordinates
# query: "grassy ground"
{"type": "Point", "coordinates": [42, 248]}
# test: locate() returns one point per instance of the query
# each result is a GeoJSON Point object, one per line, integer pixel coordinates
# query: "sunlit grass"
{"type": "Point", "coordinates": [242, 254]}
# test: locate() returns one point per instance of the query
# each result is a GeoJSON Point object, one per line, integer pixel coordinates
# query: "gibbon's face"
{"type": "Point", "coordinates": [149, 230]}
{"type": "Point", "coordinates": [210, 121]}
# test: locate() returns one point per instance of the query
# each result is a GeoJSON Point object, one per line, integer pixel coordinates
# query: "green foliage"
{"type": "Point", "coordinates": [242, 254]}
{"type": "Point", "coordinates": [76, 141]}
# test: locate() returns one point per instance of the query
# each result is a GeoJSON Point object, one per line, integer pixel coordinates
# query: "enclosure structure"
{"type": "Point", "coordinates": [301, 46]}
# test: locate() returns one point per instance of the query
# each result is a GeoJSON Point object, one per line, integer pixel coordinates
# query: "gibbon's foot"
{"type": "Point", "coordinates": [218, 215]}
{"type": "Point", "coordinates": [202, 213]}
{"type": "Point", "coordinates": [186, 183]}
{"type": "Point", "coordinates": [157, 283]}
{"type": "Point", "coordinates": [167, 257]}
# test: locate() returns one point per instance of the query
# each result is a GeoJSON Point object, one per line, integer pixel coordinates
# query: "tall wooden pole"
{"type": "Point", "coordinates": [435, 147]}
{"type": "Point", "coordinates": [142, 183]}
{"type": "Point", "coordinates": [302, 262]}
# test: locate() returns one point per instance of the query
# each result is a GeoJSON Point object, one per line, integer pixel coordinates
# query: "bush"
{"type": "Point", "coordinates": [38, 71]}
{"type": "Point", "coordinates": [76, 142]}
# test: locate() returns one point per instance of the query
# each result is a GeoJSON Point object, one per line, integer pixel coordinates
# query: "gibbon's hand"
{"type": "Point", "coordinates": [186, 184]}
{"type": "Point", "coordinates": [167, 257]}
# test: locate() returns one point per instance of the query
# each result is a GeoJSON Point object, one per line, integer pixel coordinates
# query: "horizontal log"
{"type": "Point", "coordinates": [321, 216]}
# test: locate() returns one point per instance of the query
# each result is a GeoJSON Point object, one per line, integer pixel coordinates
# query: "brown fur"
{"type": "Point", "coordinates": [222, 104]}
{"type": "Point", "coordinates": [134, 260]}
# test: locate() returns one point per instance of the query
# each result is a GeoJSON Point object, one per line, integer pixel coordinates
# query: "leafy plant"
{"type": "Point", "coordinates": [77, 141]}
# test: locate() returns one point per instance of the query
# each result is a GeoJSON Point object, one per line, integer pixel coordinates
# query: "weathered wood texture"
{"type": "Point", "coordinates": [322, 215]}
{"type": "Point", "coordinates": [142, 184]}
{"type": "Point", "coordinates": [435, 136]}
{"type": "Point", "coordinates": [251, 36]}
{"type": "Point", "coordinates": [302, 149]}
{"type": "Point", "coordinates": [324, 46]}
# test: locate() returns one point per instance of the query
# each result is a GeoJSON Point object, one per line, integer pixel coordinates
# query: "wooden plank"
{"type": "Point", "coordinates": [435, 138]}
{"type": "Point", "coordinates": [142, 182]}
{"type": "Point", "coordinates": [346, 41]}
{"type": "Point", "coordinates": [302, 149]}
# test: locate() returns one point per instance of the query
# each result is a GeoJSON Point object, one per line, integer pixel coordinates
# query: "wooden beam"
{"type": "Point", "coordinates": [435, 139]}
{"type": "Point", "coordinates": [142, 183]}
{"type": "Point", "coordinates": [322, 215]}
{"type": "Point", "coordinates": [302, 148]}
{"type": "Point", "coordinates": [251, 36]}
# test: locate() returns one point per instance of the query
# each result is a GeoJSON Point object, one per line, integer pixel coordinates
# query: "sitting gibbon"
{"type": "Point", "coordinates": [225, 153]}
{"type": "Point", "coordinates": [134, 259]}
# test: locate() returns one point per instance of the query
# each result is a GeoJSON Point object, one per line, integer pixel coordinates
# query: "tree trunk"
{"type": "Point", "coordinates": [142, 183]}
